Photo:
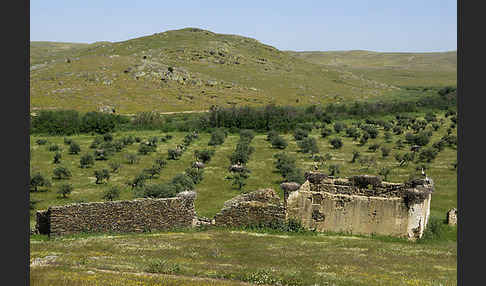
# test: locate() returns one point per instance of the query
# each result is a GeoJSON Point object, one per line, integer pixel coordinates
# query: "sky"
{"type": "Point", "coordinates": [377, 25]}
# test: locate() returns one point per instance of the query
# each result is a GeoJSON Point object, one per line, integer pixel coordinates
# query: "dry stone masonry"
{"type": "Point", "coordinates": [119, 216]}
{"type": "Point", "coordinates": [362, 205]}
{"type": "Point", "coordinates": [259, 207]}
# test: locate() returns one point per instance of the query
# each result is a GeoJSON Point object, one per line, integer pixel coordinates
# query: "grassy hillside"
{"type": "Point", "coordinates": [187, 69]}
{"type": "Point", "coordinates": [41, 52]}
{"type": "Point", "coordinates": [398, 69]}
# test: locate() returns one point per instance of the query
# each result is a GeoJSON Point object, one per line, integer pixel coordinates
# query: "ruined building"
{"type": "Point", "coordinates": [358, 205]}
{"type": "Point", "coordinates": [362, 205]}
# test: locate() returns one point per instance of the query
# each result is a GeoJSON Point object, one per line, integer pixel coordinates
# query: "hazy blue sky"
{"type": "Point", "coordinates": [377, 25]}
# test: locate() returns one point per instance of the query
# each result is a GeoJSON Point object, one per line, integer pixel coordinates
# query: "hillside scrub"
{"type": "Point", "coordinates": [263, 118]}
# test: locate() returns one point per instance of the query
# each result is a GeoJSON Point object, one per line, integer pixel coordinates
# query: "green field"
{"type": "Point", "coordinates": [338, 259]}
{"type": "Point", "coordinates": [232, 256]}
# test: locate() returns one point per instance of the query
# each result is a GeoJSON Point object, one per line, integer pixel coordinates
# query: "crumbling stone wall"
{"type": "Point", "coordinates": [362, 205]}
{"type": "Point", "coordinates": [119, 216]}
{"type": "Point", "coordinates": [255, 208]}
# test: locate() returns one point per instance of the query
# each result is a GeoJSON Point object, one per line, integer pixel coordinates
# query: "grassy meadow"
{"type": "Point", "coordinates": [240, 256]}
{"type": "Point", "coordinates": [214, 189]}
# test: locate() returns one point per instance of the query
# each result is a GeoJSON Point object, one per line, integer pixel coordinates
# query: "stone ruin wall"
{"type": "Point", "coordinates": [119, 216]}
{"type": "Point", "coordinates": [255, 208]}
{"type": "Point", "coordinates": [340, 205]}
{"type": "Point", "coordinates": [322, 204]}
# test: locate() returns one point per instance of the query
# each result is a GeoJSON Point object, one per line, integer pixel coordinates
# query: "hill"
{"type": "Point", "coordinates": [187, 69]}
{"type": "Point", "coordinates": [400, 69]}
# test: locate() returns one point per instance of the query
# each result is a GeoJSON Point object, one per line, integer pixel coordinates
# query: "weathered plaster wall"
{"type": "Point", "coordinates": [339, 205]}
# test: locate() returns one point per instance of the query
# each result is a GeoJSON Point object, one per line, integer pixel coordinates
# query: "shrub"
{"type": "Point", "coordinates": [138, 181]}
{"type": "Point", "coordinates": [152, 171]}
{"type": "Point", "coordinates": [96, 142]}
{"type": "Point", "coordinates": [272, 134]}
{"type": "Point", "coordinates": [138, 139]}
{"type": "Point", "coordinates": [367, 162]}
{"type": "Point", "coordinates": [98, 122]}
{"type": "Point", "coordinates": [295, 175]}
{"type": "Point", "coordinates": [217, 137]}
{"type": "Point", "coordinates": [203, 155]}
{"type": "Point", "coordinates": [300, 134]}
{"type": "Point", "coordinates": [183, 182]}
{"type": "Point", "coordinates": [334, 170]}
{"type": "Point", "coordinates": [308, 145]}
{"type": "Point", "coordinates": [364, 138]}
{"type": "Point", "coordinates": [174, 154]}
{"type": "Point", "coordinates": [430, 117]}
{"type": "Point", "coordinates": [242, 153]}
{"type": "Point", "coordinates": [37, 180]}
{"type": "Point", "coordinates": [336, 143]}
{"type": "Point", "coordinates": [435, 126]}
{"type": "Point", "coordinates": [195, 174]}
{"type": "Point", "coordinates": [111, 194]}
{"type": "Point", "coordinates": [163, 266]}
{"type": "Point", "coordinates": [439, 145]}
{"type": "Point", "coordinates": [65, 190]}
{"type": "Point", "coordinates": [279, 142]}
{"type": "Point", "coordinates": [397, 130]}
{"type": "Point", "coordinates": [384, 172]}
{"type": "Point", "coordinates": [284, 163]}
{"type": "Point", "coordinates": [385, 151]}
{"type": "Point", "coordinates": [74, 148]}
{"type": "Point", "coordinates": [159, 191]}
{"type": "Point", "coordinates": [450, 140]}
{"type": "Point", "coordinates": [114, 166]}
{"type": "Point", "coordinates": [101, 175]}
{"type": "Point", "coordinates": [145, 149]}
{"type": "Point", "coordinates": [427, 155]}
{"type": "Point", "coordinates": [356, 155]}
{"type": "Point", "coordinates": [305, 126]}
{"type": "Point", "coordinates": [86, 161]}
{"type": "Point", "coordinates": [165, 138]}
{"type": "Point", "coordinates": [352, 132]}
{"type": "Point", "coordinates": [436, 229]}
{"type": "Point", "coordinates": [57, 158]}
{"type": "Point", "coordinates": [247, 135]}
{"type": "Point", "coordinates": [100, 155]}
{"type": "Point", "coordinates": [325, 132]}
{"type": "Point", "coordinates": [56, 122]}
{"type": "Point", "coordinates": [339, 126]}
{"type": "Point", "coordinates": [160, 162]}
{"type": "Point", "coordinates": [239, 181]}
{"type": "Point", "coordinates": [404, 159]}
{"type": "Point", "coordinates": [41, 141]}
{"type": "Point", "coordinates": [128, 140]}
{"type": "Point", "coordinates": [420, 139]}
{"type": "Point", "coordinates": [131, 158]}
{"type": "Point", "coordinates": [371, 130]}
{"type": "Point", "coordinates": [61, 173]}
{"type": "Point", "coordinates": [399, 144]}
{"type": "Point", "coordinates": [67, 141]}
{"type": "Point", "coordinates": [189, 138]}
{"type": "Point", "coordinates": [374, 147]}
{"type": "Point", "coordinates": [54, 148]}
{"type": "Point", "coordinates": [388, 137]}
